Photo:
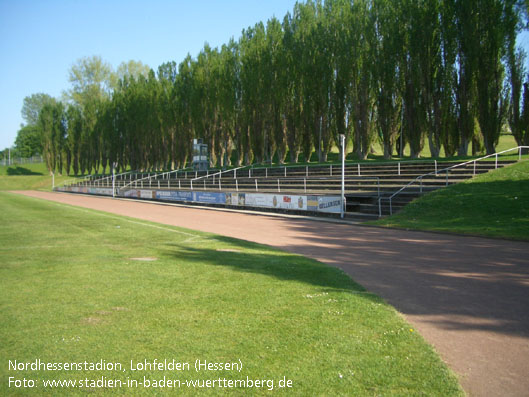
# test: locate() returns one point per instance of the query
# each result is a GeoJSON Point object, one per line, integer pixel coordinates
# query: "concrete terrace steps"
{"type": "Point", "coordinates": [365, 183]}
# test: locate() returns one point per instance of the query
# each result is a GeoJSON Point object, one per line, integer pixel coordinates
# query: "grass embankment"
{"type": "Point", "coordinates": [78, 285]}
{"type": "Point", "coordinates": [494, 205]}
{"type": "Point", "coordinates": [28, 177]}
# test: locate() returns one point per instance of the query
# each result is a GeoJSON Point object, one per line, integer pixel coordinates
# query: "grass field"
{"type": "Point", "coordinates": [27, 177]}
{"type": "Point", "coordinates": [78, 285]}
{"type": "Point", "coordinates": [494, 204]}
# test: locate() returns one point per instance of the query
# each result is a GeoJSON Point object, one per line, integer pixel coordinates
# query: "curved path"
{"type": "Point", "coordinates": [467, 296]}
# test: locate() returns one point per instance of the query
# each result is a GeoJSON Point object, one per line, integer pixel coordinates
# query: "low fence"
{"type": "Point", "coordinates": [312, 203]}
{"type": "Point", "coordinates": [21, 160]}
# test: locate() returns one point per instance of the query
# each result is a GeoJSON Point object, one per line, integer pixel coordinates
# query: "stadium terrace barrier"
{"type": "Point", "coordinates": [371, 189]}
{"type": "Point", "coordinates": [312, 203]}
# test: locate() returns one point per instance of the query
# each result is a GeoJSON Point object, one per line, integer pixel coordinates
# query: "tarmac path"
{"type": "Point", "coordinates": [467, 296]}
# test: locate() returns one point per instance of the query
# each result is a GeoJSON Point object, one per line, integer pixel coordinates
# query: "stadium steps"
{"type": "Point", "coordinates": [362, 193]}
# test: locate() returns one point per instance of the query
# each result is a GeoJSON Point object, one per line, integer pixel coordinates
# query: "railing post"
{"type": "Point", "coordinates": [474, 168]}
{"type": "Point", "coordinates": [307, 171]}
{"type": "Point", "coordinates": [191, 184]}
{"type": "Point", "coordinates": [496, 163]}
{"type": "Point", "coordinates": [285, 169]}
{"type": "Point", "coordinates": [204, 183]}
{"type": "Point", "coordinates": [435, 167]}
{"type": "Point", "coordinates": [379, 207]}
{"type": "Point", "coordinates": [236, 185]}
{"type": "Point", "coordinates": [358, 169]}
{"type": "Point", "coordinates": [256, 188]}
{"type": "Point", "coordinates": [278, 186]}
{"type": "Point", "coordinates": [220, 185]}
{"type": "Point", "coordinates": [399, 167]}
{"type": "Point", "coordinates": [305, 185]}
{"type": "Point", "coordinates": [420, 179]}
{"type": "Point", "coordinates": [266, 172]}
{"type": "Point", "coordinates": [331, 169]}
{"type": "Point", "coordinates": [519, 153]}
{"type": "Point", "coordinates": [446, 177]}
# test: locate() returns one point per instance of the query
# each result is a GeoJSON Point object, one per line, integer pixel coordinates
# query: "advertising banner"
{"type": "Point", "coordinates": [329, 204]}
{"type": "Point", "coordinates": [259, 200]}
{"type": "Point", "coordinates": [102, 191]}
{"type": "Point", "coordinates": [209, 197]}
{"type": "Point", "coordinates": [147, 194]}
{"type": "Point", "coordinates": [174, 196]}
{"type": "Point", "coordinates": [283, 201]}
{"type": "Point", "coordinates": [238, 199]}
{"type": "Point", "coordinates": [132, 193]}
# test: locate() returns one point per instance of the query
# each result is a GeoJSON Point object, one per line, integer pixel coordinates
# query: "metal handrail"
{"type": "Point", "coordinates": [293, 179]}
{"type": "Point", "coordinates": [339, 166]}
{"type": "Point", "coordinates": [234, 170]}
{"type": "Point", "coordinates": [69, 182]}
{"type": "Point", "coordinates": [420, 178]}
{"type": "Point", "coordinates": [155, 176]}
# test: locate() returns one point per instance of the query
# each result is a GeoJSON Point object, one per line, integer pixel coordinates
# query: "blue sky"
{"type": "Point", "coordinates": [41, 39]}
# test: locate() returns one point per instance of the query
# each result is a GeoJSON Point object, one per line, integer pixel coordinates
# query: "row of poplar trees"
{"type": "Point", "coordinates": [442, 73]}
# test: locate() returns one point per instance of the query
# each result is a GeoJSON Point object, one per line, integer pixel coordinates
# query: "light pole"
{"type": "Point", "coordinates": [342, 139]}
{"type": "Point", "coordinates": [114, 164]}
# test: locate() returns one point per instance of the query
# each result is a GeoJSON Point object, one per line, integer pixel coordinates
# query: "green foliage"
{"type": "Point", "coordinates": [73, 288]}
{"type": "Point", "coordinates": [32, 107]}
{"type": "Point", "coordinates": [29, 141]}
{"type": "Point", "coordinates": [391, 73]}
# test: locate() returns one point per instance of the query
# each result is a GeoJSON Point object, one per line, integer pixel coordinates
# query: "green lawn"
{"type": "Point", "coordinates": [27, 177]}
{"type": "Point", "coordinates": [494, 204]}
{"type": "Point", "coordinates": [78, 285]}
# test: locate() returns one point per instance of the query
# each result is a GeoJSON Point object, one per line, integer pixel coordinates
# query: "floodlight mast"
{"type": "Point", "coordinates": [342, 139]}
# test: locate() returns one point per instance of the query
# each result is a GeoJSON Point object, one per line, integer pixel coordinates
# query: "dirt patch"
{"type": "Point", "coordinates": [92, 320]}
{"type": "Point", "coordinates": [146, 259]}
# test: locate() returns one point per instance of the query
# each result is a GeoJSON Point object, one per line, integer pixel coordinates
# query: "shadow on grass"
{"type": "Point", "coordinates": [279, 265]}
{"type": "Point", "coordinates": [21, 171]}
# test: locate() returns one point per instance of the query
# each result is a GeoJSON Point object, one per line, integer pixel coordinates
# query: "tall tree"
{"type": "Point", "coordinates": [32, 106]}
{"type": "Point", "coordinates": [28, 142]}
{"type": "Point", "coordinates": [386, 49]}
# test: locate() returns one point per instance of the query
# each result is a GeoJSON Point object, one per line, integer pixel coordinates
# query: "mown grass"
{"type": "Point", "coordinates": [75, 286]}
{"type": "Point", "coordinates": [27, 177]}
{"type": "Point", "coordinates": [494, 205]}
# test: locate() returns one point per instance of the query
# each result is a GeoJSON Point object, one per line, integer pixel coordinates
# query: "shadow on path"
{"type": "Point", "coordinates": [480, 283]}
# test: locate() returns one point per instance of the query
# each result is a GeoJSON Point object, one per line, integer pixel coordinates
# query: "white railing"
{"type": "Point", "coordinates": [83, 181]}
{"type": "Point", "coordinates": [336, 168]}
{"type": "Point", "coordinates": [447, 170]}
{"type": "Point", "coordinates": [219, 174]}
{"type": "Point", "coordinates": [155, 176]}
